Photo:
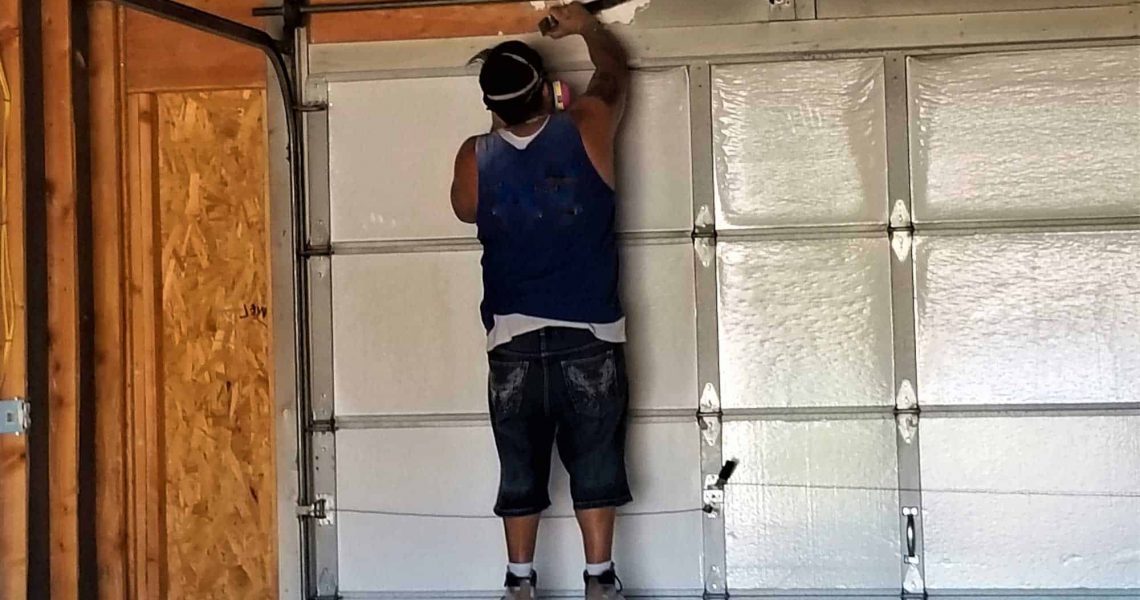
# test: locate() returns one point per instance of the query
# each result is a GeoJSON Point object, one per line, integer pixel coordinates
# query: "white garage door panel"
{"type": "Point", "coordinates": [381, 553]}
{"type": "Point", "coordinates": [392, 148]}
{"type": "Point", "coordinates": [1044, 134]}
{"type": "Point", "coordinates": [408, 340]}
{"type": "Point", "coordinates": [660, 301]}
{"type": "Point", "coordinates": [1029, 318]}
{"type": "Point", "coordinates": [418, 471]}
{"type": "Point", "coordinates": [1043, 502]}
{"type": "Point", "coordinates": [406, 334]}
{"type": "Point", "coordinates": [805, 323]}
{"type": "Point", "coordinates": [813, 505]}
{"type": "Point", "coordinates": [800, 143]}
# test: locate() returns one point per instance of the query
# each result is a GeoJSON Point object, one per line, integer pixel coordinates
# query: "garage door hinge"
{"type": "Point", "coordinates": [309, 107]}
{"type": "Point", "coordinates": [900, 216]}
{"type": "Point", "coordinates": [326, 597]}
{"type": "Point", "coordinates": [15, 416]}
{"type": "Point", "coordinates": [323, 426]}
{"type": "Point", "coordinates": [321, 511]}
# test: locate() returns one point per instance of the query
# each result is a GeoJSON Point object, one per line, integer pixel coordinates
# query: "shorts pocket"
{"type": "Point", "coordinates": [506, 386]}
{"type": "Point", "coordinates": [592, 383]}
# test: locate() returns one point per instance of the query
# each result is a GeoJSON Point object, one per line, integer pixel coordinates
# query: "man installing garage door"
{"type": "Point", "coordinates": [540, 188]}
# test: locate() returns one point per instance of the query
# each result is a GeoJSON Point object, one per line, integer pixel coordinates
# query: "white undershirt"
{"type": "Point", "coordinates": [520, 142]}
{"type": "Point", "coordinates": [508, 327]}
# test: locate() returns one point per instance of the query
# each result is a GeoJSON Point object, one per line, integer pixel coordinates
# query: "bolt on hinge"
{"type": "Point", "coordinates": [901, 242]}
{"type": "Point", "coordinates": [900, 216]}
{"type": "Point", "coordinates": [323, 426]}
{"type": "Point", "coordinates": [710, 401]}
{"type": "Point", "coordinates": [322, 511]}
{"type": "Point", "coordinates": [15, 416]}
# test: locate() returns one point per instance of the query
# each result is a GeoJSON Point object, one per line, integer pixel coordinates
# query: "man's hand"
{"type": "Point", "coordinates": [573, 19]}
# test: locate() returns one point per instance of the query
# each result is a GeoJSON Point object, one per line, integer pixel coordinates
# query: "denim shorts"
{"type": "Point", "coordinates": [563, 386]}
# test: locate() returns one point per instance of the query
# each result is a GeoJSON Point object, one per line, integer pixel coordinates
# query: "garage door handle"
{"type": "Point", "coordinates": [911, 535]}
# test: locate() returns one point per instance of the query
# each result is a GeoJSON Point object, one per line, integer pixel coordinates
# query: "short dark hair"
{"type": "Point", "coordinates": [512, 78]}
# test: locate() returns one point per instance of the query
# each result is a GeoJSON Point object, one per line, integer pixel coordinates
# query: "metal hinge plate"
{"type": "Point", "coordinates": [322, 511]}
{"type": "Point", "coordinates": [15, 417]}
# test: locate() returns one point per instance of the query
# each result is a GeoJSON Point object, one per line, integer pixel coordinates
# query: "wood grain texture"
{"type": "Point", "coordinates": [110, 358]}
{"type": "Point", "coordinates": [145, 476]}
{"type": "Point", "coordinates": [424, 23]}
{"type": "Point", "coordinates": [165, 56]}
{"type": "Point", "coordinates": [219, 447]}
{"type": "Point", "coordinates": [63, 347]}
{"type": "Point", "coordinates": [13, 479]}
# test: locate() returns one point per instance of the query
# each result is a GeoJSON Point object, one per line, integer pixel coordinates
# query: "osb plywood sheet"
{"type": "Point", "coordinates": [220, 491]}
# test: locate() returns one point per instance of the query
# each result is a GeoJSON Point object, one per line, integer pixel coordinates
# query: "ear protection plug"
{"type": "Point", "coordinates": [563, 95]}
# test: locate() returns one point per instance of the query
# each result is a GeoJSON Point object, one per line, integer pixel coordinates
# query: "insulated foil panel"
{"type": "Point", "coordinates": [800, 143]}
{"type": "Point", "coordinates": [392, 146]}
{"type": "Point", "coordinates": [813, 505]}
{"type": "Point", "coordinates": [382, 476]}
{"type": "Point", "coordinates": [397, 317]}
{"type": "Point", "coordinates": [1042, 502]}
{"type": "Point", "coordinates": [805, 323]}
{"type": "Point", "coordinates": [1044, 134]}
{"type": "Point", "coordinates": [1029, 318]}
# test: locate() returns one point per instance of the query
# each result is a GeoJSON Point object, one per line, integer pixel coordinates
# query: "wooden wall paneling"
{"type": "Point", "coordinates": [145, 474]}
{"type": "Point", "coordinates": [165, 56]}
{"type": "Point", "coordinates": [63, 393]}
{"type": "Point", "coordinates": [221, 492]}
{"type": "Point", "coordinates": [110, 361]}
{"type": "Point", "coordinates": [13, 478]}
{"type": "Point", "coordinates": [424, 23]}
{"type": "Point", "coordinates": [518, 18]}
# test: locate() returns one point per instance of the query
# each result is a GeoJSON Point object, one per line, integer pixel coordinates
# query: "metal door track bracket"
{"type": "Point", "coordinates": [15, 416]}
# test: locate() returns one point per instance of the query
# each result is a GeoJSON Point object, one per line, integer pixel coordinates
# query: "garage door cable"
{"type": "Point", "coordinates": [841, 488]}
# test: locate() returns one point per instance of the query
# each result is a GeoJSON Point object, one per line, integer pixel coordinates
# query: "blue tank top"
{"type": "Point", "coordinates": [546, 223]}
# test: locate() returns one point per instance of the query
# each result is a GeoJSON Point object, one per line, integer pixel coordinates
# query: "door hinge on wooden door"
{"type": "Point", "coordinates": [15, 416]}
